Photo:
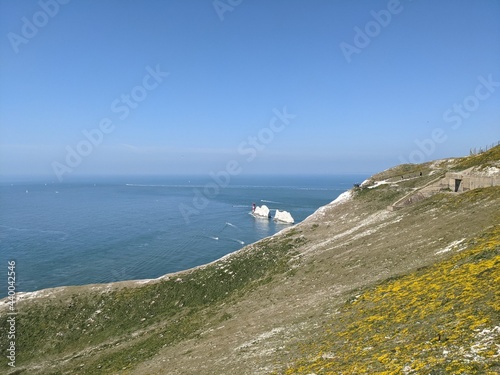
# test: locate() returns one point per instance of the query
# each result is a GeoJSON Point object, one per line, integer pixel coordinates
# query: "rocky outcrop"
{"type": "Point", "coordinates": [284, 217]}
{"type": "Point", "coordinates": [262, 211]}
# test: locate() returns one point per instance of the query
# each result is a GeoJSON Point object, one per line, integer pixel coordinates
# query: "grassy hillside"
{"type": "Point", "coordinates": [485, 159]}
{"type": "Point", "coordinates": [110, 330]}
{"type": "Point", "coordinates": [421, 285]}
{"type": "Point", "coordinates": [443, 319]}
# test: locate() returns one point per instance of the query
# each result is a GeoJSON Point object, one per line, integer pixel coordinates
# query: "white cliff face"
{"type": "Point", "coordinates": [262, 211]}
{"type": "Point", "coordinates": [284, 216]}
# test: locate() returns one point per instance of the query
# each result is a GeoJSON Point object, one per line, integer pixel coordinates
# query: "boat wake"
{"type": "Point", "coordinates": [216, 238]}
{"type": "Point", "coordinates": [230, 225]}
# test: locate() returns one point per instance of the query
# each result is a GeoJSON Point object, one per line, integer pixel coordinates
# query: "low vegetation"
{"type": "Point", "coordinates": [125, 325]}
{"type": "Point", "coordinates": [357, 289]}
{"type": "Point", "coordinates": [488, 158]}
{"type": "Point", "coordinates": [444, 319]}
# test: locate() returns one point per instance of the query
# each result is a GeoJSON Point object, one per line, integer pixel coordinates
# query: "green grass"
{"type": "Point", "coordinates": [157, 314]}
{"type": "Point", "coordinates": [385, 195]}
{"type": "Point", "coordinates": [437, 320]}
{"type": "Point", "coordinates": [380, 197]}
{"type": "Point", "coordinates": [405, 170]}
{"type": "Point", "coordinates": [453, 202]}
{"type": "Point", "coordinates": [484, 159]}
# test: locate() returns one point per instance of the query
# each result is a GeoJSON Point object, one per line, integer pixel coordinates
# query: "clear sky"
{"type": "Point", "coordinates": [275, 86]}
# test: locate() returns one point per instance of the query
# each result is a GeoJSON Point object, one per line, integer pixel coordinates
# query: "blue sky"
{"type": "Point", "coordinates": [176, 86]}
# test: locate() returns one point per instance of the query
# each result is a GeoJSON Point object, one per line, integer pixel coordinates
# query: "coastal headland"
{"type": "Point", "coordinates": [355, 288]}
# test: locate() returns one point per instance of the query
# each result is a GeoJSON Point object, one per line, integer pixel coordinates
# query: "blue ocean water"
{"type": "Point", "coordinates": [97, 230]}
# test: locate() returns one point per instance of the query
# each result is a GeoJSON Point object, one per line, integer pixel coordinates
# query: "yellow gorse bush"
{"type": "Point", "coordinates": [444, 319]}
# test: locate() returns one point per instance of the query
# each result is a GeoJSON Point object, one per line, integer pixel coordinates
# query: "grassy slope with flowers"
{"type": "Point", "coordinates": [444, 319]}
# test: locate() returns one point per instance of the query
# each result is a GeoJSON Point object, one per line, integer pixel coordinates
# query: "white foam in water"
{"type": "Point", "coordinates": [228, 224]}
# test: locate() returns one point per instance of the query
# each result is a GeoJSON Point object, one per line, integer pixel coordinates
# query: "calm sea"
{"type": "Point", "coordinates": [98, 230]}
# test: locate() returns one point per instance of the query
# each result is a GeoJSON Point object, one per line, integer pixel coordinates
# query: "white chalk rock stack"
{"type": "Point", "coordinates": [262, 211]}
{"type": "Point", "coordinates": [284, 217]}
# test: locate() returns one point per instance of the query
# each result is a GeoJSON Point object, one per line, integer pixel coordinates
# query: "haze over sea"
{"type": "Point", "coordinates": [98, 230]}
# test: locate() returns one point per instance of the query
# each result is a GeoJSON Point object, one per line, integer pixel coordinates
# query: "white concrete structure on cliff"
{"type": "Point", "coordinates": [456, 182]}
{"type": "Point", "coordinates": [472, 179]}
